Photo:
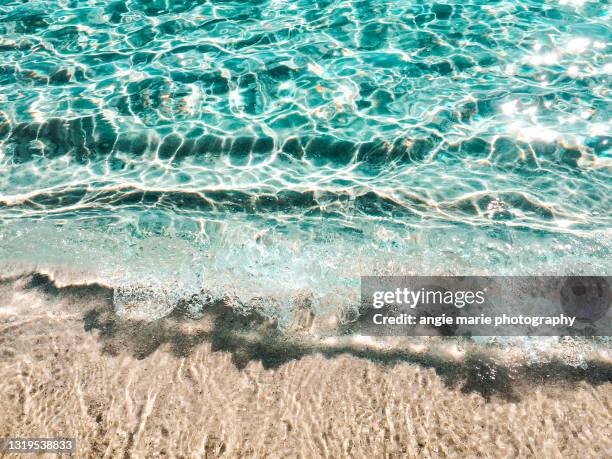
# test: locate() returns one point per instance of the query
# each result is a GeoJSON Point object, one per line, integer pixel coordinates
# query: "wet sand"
{"type": "Point", "coordinates": [64, 377]}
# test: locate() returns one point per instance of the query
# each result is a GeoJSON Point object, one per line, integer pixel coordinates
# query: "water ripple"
{"type": "Point", "coordinates": [362, 117]}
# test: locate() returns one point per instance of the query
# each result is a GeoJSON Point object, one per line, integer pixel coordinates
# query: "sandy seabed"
{"type": "Point", "coordinates": [60, 379]}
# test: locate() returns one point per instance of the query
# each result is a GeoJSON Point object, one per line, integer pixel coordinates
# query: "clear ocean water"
{"type": "Point", "coordinates": [270, 147]}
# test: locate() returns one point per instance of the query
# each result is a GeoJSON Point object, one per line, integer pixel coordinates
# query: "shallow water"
{"type": "Point", "coordinates": [265, 148]}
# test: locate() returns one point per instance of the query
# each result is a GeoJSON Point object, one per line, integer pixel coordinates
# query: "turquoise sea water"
{"type": "Point", "coordinates": [270, 147]}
